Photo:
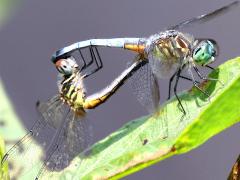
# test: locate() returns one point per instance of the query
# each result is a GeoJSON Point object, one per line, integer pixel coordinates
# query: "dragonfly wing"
{"type": "Point", "coordinates": [77, 137]}
{"type": "Point", "coordinates": [74, 138]}
{"type": "Point", "coordinates": [52, 111]}
{"type": "Point", "coordinates": [145, 87]}
{"type": "Point", "coordinates": [205, 17]}
{"type": "Point", "coordinates": [29, 151]}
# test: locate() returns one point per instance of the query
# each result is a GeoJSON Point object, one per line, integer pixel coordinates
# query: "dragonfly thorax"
{"type": "Point", "coordinates": [165, 51]}
{"type": "Point", "coordinates": [73, 92]}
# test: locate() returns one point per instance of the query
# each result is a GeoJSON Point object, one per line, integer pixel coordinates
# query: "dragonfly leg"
{"type": "Point", "coordinates": [205, 78]}
{"type": "Point", "coordinates": [187, 78]}
{"type": "Point", "coordinates": [100, 65]}
{"type": "Point", "coordinates": [94, 59]}
{"type": "Point", "coordinates": [210, 67]}
{"type": "Point", "coordinates": [171, 79]}
{"type": "Point", "coordinates": [170, 85]}
{"type": "Point", "coordinates": [83, 59]}
{"type": "Point", "coordinates": [175, 91]}
{"type": "Point", "coordinates": [86, 65]}
{"type": "Point", "coordinates": [196, 85]}
{"type": "Point", "coordinates": [205, 93]}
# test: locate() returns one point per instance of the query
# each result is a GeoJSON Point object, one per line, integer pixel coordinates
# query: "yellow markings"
{"type": "Point", "coordinates": [170, 49]}
{"type": "Point", "coordinates": [69, 92]}
{"type": "Point", "coordinates": [167, 52]}
{"type": "Point", "coordinates": [158, 53]}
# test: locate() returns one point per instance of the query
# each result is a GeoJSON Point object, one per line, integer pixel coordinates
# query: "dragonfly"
{"type": "Point", "coordinates": [65, 113]}
{"type": "Point", "coordinates": [168, 53]}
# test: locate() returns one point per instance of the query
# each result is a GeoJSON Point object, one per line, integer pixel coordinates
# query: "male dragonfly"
{"type": "Point", "coordinates": [168, 53]}
{"type": "Point", "coordinates": [65, 113]}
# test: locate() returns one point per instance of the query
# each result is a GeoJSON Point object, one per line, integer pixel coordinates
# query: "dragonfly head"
{"type": "Point", "coordinates": [204, 51]}
{"type": "Point", "coordinates": [67, 66]}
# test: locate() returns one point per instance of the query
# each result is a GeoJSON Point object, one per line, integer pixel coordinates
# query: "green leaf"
{"type": "Point", "coordinates": [148, 140]}
{"type": "Point", "coordinates": [11, 131]}
{"type": "Point", "coordinates": [7, 8]}
{"type": "Point", "coordinates": [10, 128]}
{"type": "Point", "coordinates": [6, 111]}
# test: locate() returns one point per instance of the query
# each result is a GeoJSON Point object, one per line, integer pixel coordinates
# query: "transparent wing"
{"type": "Point", "coordinates": [145, 87]}
{"type": "Point", "coordinates": [160, 67]}
{"type": "Point", "coordinates": [205, 17]}
{"type": "Point", "coordinates": [28, 151]}
{"type": "Point", "coordinates": [74, 137]}
{"type": "Point", "coordinates": [52, 111]}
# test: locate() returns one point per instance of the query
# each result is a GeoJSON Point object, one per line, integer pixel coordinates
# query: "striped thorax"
{"type": "Point", "coordinates": [73, 93]}
{"type": "Point", "coordinates": [166, 49]}
{"type": "Point", "coordinates": [169, 45]}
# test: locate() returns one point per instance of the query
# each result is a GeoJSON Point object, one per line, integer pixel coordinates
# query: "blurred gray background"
{"type": "Point", "coordinates": [38, 28]}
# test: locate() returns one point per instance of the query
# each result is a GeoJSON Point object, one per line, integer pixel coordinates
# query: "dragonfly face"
{"type": "Point", "coordinates": [67, 66]}
{"type": "Point", "coordinates": [205, 52]}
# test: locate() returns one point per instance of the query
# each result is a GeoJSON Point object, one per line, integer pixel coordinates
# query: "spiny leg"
{"type": "Point", "coordinates": [175, 90]}
{"type": "Point", "coordinates": [170, 82]}
{"type": "Point", "coordinates": [187, 78]}
{"type": "Point", "coordinates": [210, 67]}
{"type": "Point", "coordinates": [86, 65]}
{"type": "Point", "coordinates": [92, 60]}
{"type": "Point", "coordinates": [99, 64]}
{"type": "Point", "coordinates": [205, 78]}
{"type": "Point", "coordinates": [99, 57]}
{"type": "Point", "coordinates": [93, 57]}
{"type": "Point", "coordinates": [170, 85]}
{"type": "Point", "coordinates": [195, 84]}
{"type": "Point", "coordinates": [83, 59]}
{"type": "Point", "coordinates": [171, 79]}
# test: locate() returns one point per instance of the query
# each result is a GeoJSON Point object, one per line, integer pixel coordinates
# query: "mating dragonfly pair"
{"type": "Point", "coordinates": [162, 55]}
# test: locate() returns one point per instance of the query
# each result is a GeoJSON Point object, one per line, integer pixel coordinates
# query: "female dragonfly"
{"type": "Point", "coordinates": [65, 113]}
{"type": "Point", "coordinates": [168, 53]}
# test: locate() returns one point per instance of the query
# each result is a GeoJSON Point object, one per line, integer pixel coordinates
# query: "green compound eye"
{"type": "Point", "coordinates": [204, 53]}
